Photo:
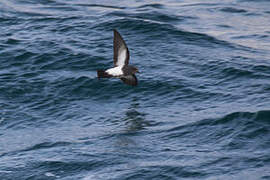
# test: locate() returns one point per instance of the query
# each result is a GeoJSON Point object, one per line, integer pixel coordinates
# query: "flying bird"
{"type": "Point", "coordinates": [121, 69]}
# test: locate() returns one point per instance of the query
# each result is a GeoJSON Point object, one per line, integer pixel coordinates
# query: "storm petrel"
{"type": "Point", "coordinates": [121, 68]}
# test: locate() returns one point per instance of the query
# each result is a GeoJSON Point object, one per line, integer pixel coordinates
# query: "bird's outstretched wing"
{"type": "Point", "coordinates": [130, 80]}
{"type": "Point", "coordinates": [120, 50]}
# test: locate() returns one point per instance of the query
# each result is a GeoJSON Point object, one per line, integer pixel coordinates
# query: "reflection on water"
{"type": "Point", "coordinates": [135, 120]}
{"type": "Point", "coordinates": [128, 143]}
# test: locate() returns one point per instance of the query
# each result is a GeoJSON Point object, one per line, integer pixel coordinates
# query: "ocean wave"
{"type": "Point", "coordinates": [153, 5]}
{"type": "Point", "coordinates": [233, 131]}
{"type": "Point", "coordinates": [233, 10]}
{"type": "Point", "coordinates": [164, 31]}
{"type": "Point", "coordinates": [46, 145]}
{"type": "Point", "coordinates": [154, 16]}
{"type": "Point", "coordinates": [100, 5]}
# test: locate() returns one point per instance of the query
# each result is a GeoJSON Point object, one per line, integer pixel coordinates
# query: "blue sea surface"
{"type": "Point", "coordinates": [201, 109]}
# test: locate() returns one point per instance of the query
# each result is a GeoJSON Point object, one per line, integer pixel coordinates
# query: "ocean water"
{"type": "Point", "coordinates": [201, 109]}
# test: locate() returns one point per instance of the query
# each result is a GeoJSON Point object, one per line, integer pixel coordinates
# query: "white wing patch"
{"type": "Point", "coordinates": [122, 55]}
{"type": "Point", "coordinates": [116, 71]}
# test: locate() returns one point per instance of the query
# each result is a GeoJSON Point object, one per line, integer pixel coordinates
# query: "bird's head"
{"type": "Point", "coordinates": [137, 70]}
{"type": "Point", "coordinates": [134, 69]}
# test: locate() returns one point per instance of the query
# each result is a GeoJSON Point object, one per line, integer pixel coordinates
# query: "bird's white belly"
{"type": "Point", "coordinates": [116, 71]}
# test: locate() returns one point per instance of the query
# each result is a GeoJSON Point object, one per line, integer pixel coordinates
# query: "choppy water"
{"type": "Point", "coordinates": [201, 110]}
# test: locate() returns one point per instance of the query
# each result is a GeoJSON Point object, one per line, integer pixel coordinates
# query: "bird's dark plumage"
{"type": "Point", "coordinates": [119, 46]}
{"type": "Point", "coordinates": [121, 68]}
{"type": "Point", "coordinates": [130, 80]}
{"type": "Point", "coordinates": [103, 74]}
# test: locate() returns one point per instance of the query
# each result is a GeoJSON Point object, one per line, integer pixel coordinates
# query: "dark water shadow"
{"type": "Point", "coordinates": [134, 119]}
{"type": "Point", "coordinates": [130, 143]}
{"type": "Point", "coordinates": [134, 123]}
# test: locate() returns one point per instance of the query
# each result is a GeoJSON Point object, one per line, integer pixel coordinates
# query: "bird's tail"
{"type": "Point", "coordinates": [103, 74]}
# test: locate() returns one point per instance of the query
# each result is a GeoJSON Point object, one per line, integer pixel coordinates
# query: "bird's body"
{"type": "Point", "coordinates": [121, 68]}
